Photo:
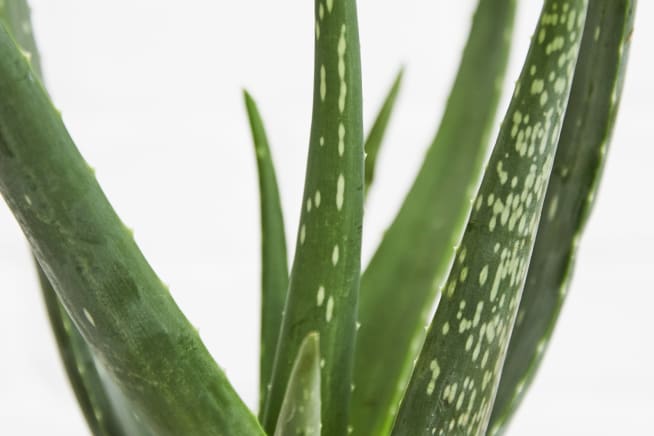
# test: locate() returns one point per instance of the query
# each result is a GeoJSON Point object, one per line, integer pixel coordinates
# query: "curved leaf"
{"type": "Point", "coordinates": [300, 412]}
{"type": "Point", "coordinates": [80, 368]}
{"type": "Point", "coordinates": [324, 280]}
{"type": "Point", "coordinates": [121, 308]}
{"type": "Point", "coordinates": [454, 382]}
{"type": "Point", "coordinates": [16, 14]}
{"type": "Point", "coordinates": [88, 385]}
{"type": "Point", "coordinates": [580, 158]}
{"type": "Point", "coordinates": [274, 263]}
{"type": "Point", "coordinates": [400, 284]}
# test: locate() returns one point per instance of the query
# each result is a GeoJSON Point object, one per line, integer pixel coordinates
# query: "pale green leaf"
{"type": "Point", "coordinates": [300, 412]}
{"type": "Point", "coordinates": [399, 286]}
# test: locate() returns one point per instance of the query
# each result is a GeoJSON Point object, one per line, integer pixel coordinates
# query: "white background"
{"type": "Point", "coordinates": [151, 92]}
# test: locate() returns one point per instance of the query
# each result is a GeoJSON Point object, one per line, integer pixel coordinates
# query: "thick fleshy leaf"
{"type": "Point", "coordinates": [300, 412]}
{"type": "Point", "coordinates": [97, 406]}
{"type": "Point", "coordinates": [400, 284]}
{"type": "Point", "coordinates": [134, 328]}
{"type": "Point", "coordinates": [274, 262]}
{"type": "Point", "coordinates": [324, 281]}
{"type": "Point", "coordinates": [16, 15]}
{"type": "Point", "coordinates": [580, 157]}
{"type": "Point", "coordinates": [455, 379]}
{"type": "Point", "coordinates": [80, 368]}
{"type": "Point", "coordinates": [378, 130]}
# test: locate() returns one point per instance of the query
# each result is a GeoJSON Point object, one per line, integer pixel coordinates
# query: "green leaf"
{"type": "Point", "coordinates": [455, 379]}
{"type": "Point", "coordinates": [16, 15]}
{"type": "Point", "coordinates": [106, 410]}
{"type": "Point", "coordinates": [400, 284]}
{"type": "Point", "coordinates": [274, 263]}
{"type": "Point", "coordinates": [127, 316]}
{"type": "Point", "coordinates": [300, 412]}
{"type": "Point", "coordinates": [580, 158]}
{"type": "Point", "coordinates": [376, 135]}
{"type": "Point", "coordinates": [324, 280]}
{"type": "Point", "coordinates": [80, 367]}
{"type": "Point", "coordinates": [100, 408]}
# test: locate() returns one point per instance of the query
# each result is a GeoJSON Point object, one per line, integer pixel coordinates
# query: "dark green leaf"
{"type": "Point", "coordinates": [87, 383]}
{"type": "Point", "coordinates": [127, 316]}
{"type": "Point", "coordinates": [81, 368]}
{"type": "Point", "coordinates": [580, 156]}
{"type": "Point", "coordinates": [455, 379]}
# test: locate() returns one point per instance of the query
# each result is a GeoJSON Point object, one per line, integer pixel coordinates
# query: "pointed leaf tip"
{"type": "Point", "coordinates": [274, 264]}
{"type": "Point", "coordinates": [454, 381]}
{"type": "Point", "coordinates": [377, 132]}
{"type": "Point", "coordinates": [300, 412]}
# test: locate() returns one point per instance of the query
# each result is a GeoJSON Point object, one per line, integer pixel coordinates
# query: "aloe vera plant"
{"type": "Point", "coordinates": [343, 349]}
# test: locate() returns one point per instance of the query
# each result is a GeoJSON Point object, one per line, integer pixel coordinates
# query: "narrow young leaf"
{"type": "Point", "coordinates": [100, 410]}
{"type": "Point", "coordinates": [578, 165]}
{"type": "Point", "coordinates": [324, 280]}
{"type": "Point", "coordinates": [131, 323]}
{"type": "Point", "coordinates": [274, 263]}
{"type": "Point", "coordinates": [376, 135]}
{"type": "Point", "coordinates": [400, 284]}
{"type": "Point", "coordinates": [453, 384]}
{"type": "Point", "coordinates": [300, 412]}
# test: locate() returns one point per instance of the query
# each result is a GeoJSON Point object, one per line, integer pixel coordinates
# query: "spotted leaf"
{"type": "Point", "coordinates": [580, 157]}
{"type": "Point", "coordinates": [324, 280]}
{"type": "Point", "coordinates": [454, 381]}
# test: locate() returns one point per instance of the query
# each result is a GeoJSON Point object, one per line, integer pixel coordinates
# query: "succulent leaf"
{"type": "Point", "coordinates": [400, 284]}
{"type": "Point", "coordinates": [455, 379]}
{"type": "Point", "coordinates": [324, 280]}
{"type": "Point", "coordinates": [80, 367]}
{"type": "Point", "coordinates": [300, 412]}
{"type": "Point", "coordinates": [580, 157]}
{"type": "Point", "coordinates": [376, 134]}
{"type": "Point", "coordinates": [17, 16]}
{"type": "Point", "coordinates": [127, 316]}
{"type": "Point", "coordinates": [274, 262]}
{"type": "Point", "coordinates": [96, 403]}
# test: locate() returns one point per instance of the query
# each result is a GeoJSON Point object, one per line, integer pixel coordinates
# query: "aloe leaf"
{"type": "Point", "coordinates": [300, 412]}
{"type": "Point", "coordinates": [580, 157]}
{"type": "Point", "coordinates": [127, 316]}
{"type": "Point", "coordinates": [16, 15]}
{"type": "Point", "coordinates": [274, 264]}
{"type": "Point", "coordinates": [375, 137]}
{"type": "Point", "coordinates": [88, 385]}
{"type": "Point", "coordinates": [455, 379]}
{"type": "Point", "coordinates": [105, 408]}
{"type": "Point", "coordinates": [325, 275]}
{"type": "Point", "coordinates": [80, 368]}
{"type": "Point", "coordinates": [400, 284]}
